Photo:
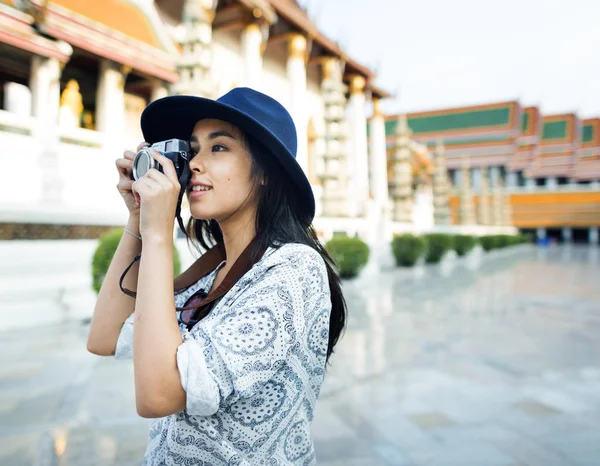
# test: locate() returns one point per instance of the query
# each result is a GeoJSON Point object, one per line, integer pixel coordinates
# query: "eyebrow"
{"type": "Point", "coordinates": [213, 135]}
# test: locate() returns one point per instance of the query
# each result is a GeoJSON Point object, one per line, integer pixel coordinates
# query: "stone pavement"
{"type": "Point", "coordinates": [489, 361]}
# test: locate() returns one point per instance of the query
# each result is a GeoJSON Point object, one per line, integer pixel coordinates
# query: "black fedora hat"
{"type": "Point", "coordinates": [256, 114]}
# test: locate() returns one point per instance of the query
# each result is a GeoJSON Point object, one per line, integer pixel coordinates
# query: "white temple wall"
{"type": "Point", "coordinates": [227, 61]}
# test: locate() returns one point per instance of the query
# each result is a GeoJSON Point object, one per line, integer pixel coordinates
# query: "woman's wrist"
{"type": "Point", "coordinates": [133, 225]}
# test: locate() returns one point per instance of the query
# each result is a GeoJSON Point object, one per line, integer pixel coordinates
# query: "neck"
{"type": "Point", "coordinates": [237, 235]}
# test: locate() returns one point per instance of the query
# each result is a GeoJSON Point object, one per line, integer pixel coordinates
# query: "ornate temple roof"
{"type": "Point", "coordinates": [120, 30]}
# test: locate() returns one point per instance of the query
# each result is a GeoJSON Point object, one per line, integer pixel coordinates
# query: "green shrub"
{"type": "Point", "coordinates": [106, 250]}
{"type": "Point", "coordinates": [503, 241]}
{"type": "Point", "coordinates": [488, 242]}
{"type": "Point", "coordinates": [407, 249]}
{"type": "Point", "coordinates": [463, 244]}
{"type": "Point", "coordinates": [349, 254]}
{"type": "Point", "coordinates": [437, 245]}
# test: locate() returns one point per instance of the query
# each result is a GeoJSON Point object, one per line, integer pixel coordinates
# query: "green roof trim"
{"type": "Point", "coordinates": [481, 140]}
{"type": "Point", "coordinates": [588, 133]}
{"type": "Point", "coordinates": [525, 122]}
{"type": "Point", "coordinates": [554, 130]}
{"type": "Point", "coordinates": [466, 120]}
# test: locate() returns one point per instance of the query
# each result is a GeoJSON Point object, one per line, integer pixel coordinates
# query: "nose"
{"type": "Point", "coordinates": [196, 164]}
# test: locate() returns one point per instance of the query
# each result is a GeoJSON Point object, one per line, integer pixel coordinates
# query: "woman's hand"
{"type": "Point", "coordinates": [125, 167]}
{"type": "Point", "coordinates": [158, 194]}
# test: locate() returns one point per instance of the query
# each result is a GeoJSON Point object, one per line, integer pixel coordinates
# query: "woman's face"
{"type": "Point", "coordinates": [221, 185]}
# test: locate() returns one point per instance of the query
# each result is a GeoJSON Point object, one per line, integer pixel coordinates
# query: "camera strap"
{"type": "Point", "coordinates": [184, 180]}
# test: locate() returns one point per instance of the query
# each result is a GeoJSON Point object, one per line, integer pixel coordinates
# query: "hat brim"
{"type": "Point", "coordinates": [174, 117]}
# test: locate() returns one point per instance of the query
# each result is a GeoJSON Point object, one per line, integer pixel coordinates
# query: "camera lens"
{"type": "Point", "coordinates": [142, 164]}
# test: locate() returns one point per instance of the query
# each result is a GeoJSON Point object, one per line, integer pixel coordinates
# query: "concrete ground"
{"type": "Point", "coordinates": [493, 360]}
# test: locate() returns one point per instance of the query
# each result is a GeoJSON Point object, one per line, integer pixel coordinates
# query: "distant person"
{"type": "Point", "coordinates": [230, 356]}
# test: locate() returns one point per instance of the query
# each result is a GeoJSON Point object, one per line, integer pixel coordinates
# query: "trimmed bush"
{"type": "Point", "coordinates": [407, 249]}
{"type": "Point", "coordinates": [437, 245]}
{"type": "Point", "coordinates": [349, 254]}
{"type": "Point", "coordinates": [503, 241]}
{"type": "Point", "coordinates": [488, 242]}
{"type": "Point", "coordinates": [106, 250]}
{"type": "Point", "coordinates": [463, 244]}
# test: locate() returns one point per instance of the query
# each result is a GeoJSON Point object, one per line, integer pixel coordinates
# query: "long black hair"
{"type": "Point", "coordinates": [280, 219]}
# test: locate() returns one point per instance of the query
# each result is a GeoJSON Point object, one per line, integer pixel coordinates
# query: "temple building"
{"type": "Point", "coordinates": [509, 164]}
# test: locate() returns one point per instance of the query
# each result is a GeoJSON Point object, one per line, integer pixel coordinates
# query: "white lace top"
{"type": "Point", "coordinates": [252, 369]}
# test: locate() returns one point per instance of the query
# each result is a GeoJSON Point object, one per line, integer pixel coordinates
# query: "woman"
{"type": "Point", "coordinates": [229, 356]}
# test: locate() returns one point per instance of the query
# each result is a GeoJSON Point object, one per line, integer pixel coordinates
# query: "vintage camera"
{"type": "Point", "coordinates": [176, 150]}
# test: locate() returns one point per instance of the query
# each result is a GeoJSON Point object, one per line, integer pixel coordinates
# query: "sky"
{"type": "Point", "coordinates": [446, 53]}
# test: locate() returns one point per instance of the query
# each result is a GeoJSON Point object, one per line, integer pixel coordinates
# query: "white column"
{"type": "Point", "coordinates": [296, 74]}
{"type": "Point", "coordinates": [159, 90]}
{"type": "Point", "coordinates": [476, 179]}
{"type": "Point", "coordinates": [567, 234]}
{"type": "Point", "coordinates": [378, 158]}
{"type": "Point", "coordinates": [530, 184]}
{"type": "Point", "coordinates": [45, 93]}
{"type": "Point", "coordinates": [511, 181]}
{"type": "Point", "coordinates": [252, 39]}
{"type": "Point", "coordinates": [110, 104]}
{"type": "Point", "coordinates": [551, 183]}
{"type": "Point", "coordinates": [358, 132]}
{"type": "Point", "coordinates": [594, 235]}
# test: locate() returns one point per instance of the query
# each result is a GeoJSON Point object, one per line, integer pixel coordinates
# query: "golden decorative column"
{"type": "Point", "coordinates": [484, 199]}
{"type": "Point", "coordinates": [296, 73]}
{"type": "Point", "coordinates": [466, 209]}
{"type": "Point", "coordinates": [402, 179]}
{"type": "Point", "coordinates": [441, 186]}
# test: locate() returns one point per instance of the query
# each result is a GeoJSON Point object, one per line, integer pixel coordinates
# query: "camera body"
{"type": "Point", "coordinates": [176, 150]}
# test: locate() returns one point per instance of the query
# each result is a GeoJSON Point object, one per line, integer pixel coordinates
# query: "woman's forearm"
{"type": "Point", "coordinates": [113, 306]}
{"type": "Point", "coordinates": [156, 335]}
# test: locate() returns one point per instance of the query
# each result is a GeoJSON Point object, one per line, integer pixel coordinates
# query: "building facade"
{"type": "Point", "coordinates": [540, 173]}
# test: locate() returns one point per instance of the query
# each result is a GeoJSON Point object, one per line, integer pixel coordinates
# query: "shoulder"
{"type": "Point", "coordinates": [294, 256]}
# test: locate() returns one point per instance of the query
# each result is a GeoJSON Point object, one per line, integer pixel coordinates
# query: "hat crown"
{"type": "Point", "coordinates": [266, 110]}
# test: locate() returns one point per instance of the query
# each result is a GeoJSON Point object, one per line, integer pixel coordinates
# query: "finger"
{"type": "Point", "coordinates": [125, 185]}
{"type": "Point", "coordinates": [129, 155]}
{"type": "Point", "coordinates": [168, 167]}
{"type": "Point", "coordinates": [160, 178]}
{"type": "Point", "coordinates": [141, 145]}
{"type": "Point", "coordinates": [124, 164]}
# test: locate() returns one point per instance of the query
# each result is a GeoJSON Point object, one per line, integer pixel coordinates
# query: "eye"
{"type": "Point", "coordinates": [218, 148]}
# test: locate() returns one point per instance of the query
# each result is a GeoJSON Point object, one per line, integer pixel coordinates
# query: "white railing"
{"type": "Point", "coordinates": [14, 123]}
{"type": "Point", "coordinates": [81, 137]}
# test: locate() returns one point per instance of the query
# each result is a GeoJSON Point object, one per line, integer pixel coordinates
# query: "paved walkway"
{"type": "Point", "coordinates": [492, 361]}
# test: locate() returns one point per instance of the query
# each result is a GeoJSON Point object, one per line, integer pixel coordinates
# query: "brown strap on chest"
{"type": "Point", "coordinates": [208, 262]}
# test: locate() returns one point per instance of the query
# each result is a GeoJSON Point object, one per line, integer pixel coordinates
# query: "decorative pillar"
{"type": "Point", "coordinates": [159, 90]}
{"type": "Point", "coordinates": [466, 209]}
{"type": "Point", "coordinates": [45, 90]}
{"type": "Point", "coordinates": [360, 161]}
{"type": "Point", "coordinates": [296, 73]}
{"type": "Point", "coordinates": [378, 158]}
{"type": "Point", "coordinates": [507, 208]}
{"type": "Point", "coordinates": [484, 199]}
{"type": "Point", "coordinates": [334, 178]}
{"type": "Point", "coordinates": [567, 234]}
{"type": "Point", "coordinates": [196, 54]}
{"type": "Point", "coordinates": [441, 186]}
{"type": "Point", "coordinates": [110, 103]}
{"type": "Point", "coordinates": [511, 181]}
{"type": "Point", "coordinates": [402, 193]}
{"type": "Point", "coordinates": [252, 42]}
{"type": "Point", "coordinates": [498, 202]}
